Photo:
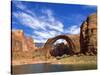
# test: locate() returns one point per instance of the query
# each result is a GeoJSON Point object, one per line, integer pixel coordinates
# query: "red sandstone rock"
{"type": "Point", "coordinates": [20, 42]}
{"type": "Point", "coordinates": [88, 35]}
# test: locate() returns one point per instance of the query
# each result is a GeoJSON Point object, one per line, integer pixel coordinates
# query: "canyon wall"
{"type": "Point", "coordinates": [22, 43]}
{"type": "Point", "coordinates": [88, 35]}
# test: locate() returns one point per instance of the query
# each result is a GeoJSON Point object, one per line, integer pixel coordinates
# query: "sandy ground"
{"type": "Point", "coordinates": [67, 60]}
{"type": "Point", "coordinates": [27, 61]}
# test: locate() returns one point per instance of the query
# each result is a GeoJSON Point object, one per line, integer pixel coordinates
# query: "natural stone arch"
{"type": "Point", "coordinates": [48, 45]}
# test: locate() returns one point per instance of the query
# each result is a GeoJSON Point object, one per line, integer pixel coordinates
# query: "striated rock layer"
{"type": "Point", "coordinates": [88, 35]}
{"type": "Point", "coordinates": [20, 42]}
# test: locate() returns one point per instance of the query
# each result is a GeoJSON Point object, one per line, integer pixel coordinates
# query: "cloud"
{"type": "Point", "coordinates": [73, 30]}
{"type": "Point", "coordinates": [47, 23]}
{"type": "Point", "coordinates": [50, 21]}
{"type": "Point", "coordinates": [28, 20]}
{"type": "Point", "coordinates": [19, 4]}
{"type": "Point", "coordinates": [46, 34]}
{"type": "Point", "coordinates": [29, 17]}
{"type": "Point", "coordinates": [42, 36]}
{"type": "Point", "coordinates": [60, 41]}
{"type": "Point", "coordinates": [43, 26]}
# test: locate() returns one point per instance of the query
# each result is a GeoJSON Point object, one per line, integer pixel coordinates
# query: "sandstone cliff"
{"type": "Point", "coordinates": [88, 35]}
{"type": "Point", "coordinates": [20, 42]}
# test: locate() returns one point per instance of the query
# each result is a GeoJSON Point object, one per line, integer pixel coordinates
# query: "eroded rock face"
{"type": "Point", "coordinates": [20, 42]}
{"type": "Point", "coordinates": [88, 35]}
{"type": "Point", "coordinates": [76, 40]}
{"type": "Point", "coordinates": [30, 43]}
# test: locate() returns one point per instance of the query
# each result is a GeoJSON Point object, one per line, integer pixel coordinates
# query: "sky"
{"type": "Point", "coordinates": [41, 20]}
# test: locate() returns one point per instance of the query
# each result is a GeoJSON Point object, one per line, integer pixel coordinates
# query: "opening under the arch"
{"type": "Point", "coordinates": [60, 47]}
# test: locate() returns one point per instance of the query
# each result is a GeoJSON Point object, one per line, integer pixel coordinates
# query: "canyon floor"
{"type": "Point", "coordinates": [20, 58]}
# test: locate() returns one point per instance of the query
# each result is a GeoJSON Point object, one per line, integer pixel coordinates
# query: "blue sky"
{"type": "Point", "coordinates": [45, 20]}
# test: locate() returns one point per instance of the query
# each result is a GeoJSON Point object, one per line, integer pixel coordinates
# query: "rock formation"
{"type": "Point", "coordinates": [88, 35]}
{"type": "Point", "coordinates": [30, 43]}
{"type": "Point", "coordinates": [60, 49]}
{"type": "Point", "coordinates": [20, 42]}
{"type": "Point", "coordinates": [50, 42]}
{"type": "Point", "coordinates": [76, 41]}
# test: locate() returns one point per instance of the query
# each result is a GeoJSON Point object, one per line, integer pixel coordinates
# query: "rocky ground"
{"type": "Point", "coordinates": [58, 60]}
